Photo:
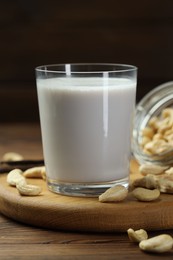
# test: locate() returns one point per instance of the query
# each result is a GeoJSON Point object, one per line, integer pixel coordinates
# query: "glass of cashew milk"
{"type": "Point", "coordinates": [86, 115]}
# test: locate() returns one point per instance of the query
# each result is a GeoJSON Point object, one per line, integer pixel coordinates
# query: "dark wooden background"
{"type": "Point", "coordinates": [37, 32]}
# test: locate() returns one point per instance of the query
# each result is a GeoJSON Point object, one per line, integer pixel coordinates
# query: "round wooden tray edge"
{"type": "Point", "coordinates": [84, 214]}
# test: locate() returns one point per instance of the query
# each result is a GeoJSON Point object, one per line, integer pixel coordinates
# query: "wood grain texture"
{"type": "Point", "coordinates": [20, 241]}
{"type": "Point", "coordinates": [54, 211]}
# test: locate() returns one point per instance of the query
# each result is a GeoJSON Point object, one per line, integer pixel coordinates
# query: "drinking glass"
{"type": "Point", "coordinates": [86, 115]}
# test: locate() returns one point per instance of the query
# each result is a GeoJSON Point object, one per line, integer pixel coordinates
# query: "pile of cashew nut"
{"type": "Point", "coordinates": [157, 136]}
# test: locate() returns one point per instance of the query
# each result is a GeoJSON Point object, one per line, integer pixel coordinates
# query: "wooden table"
{"type": "Point", "coordinates": [19, 241]}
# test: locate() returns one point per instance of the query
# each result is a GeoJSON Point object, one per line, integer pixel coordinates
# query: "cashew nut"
{"type": "Point", "coordinates": [149, 181]}
{"type": "Point", "coordinates": [145, 151]}
{"type": "Point", "coordinates": [160, 132]}
{"type": "Point", "coordinates": [152, 169]}
{"type": "Point", "coordinates": [137, 236]}
{"type": "Point", "coordinates": [167, 147]}
{"type": "Point", "coordinates": [143, 194]}
{"type": "Point", "coordinates": [164, 126]}
{"type": "Point", "coordinates": [43, 172]}
{"type": "Point", "coordinates": [35, 172]}
{"type": "Point", "coordinates": [169, 171]}
{"type": "Point", "coordinates": [148, 132]}
{"type": "Point", "coordinates": [167, 113]}
{"type": "Point", "coordinates": [169, 138]}
{"type": "Point", "coordinates": [28, 189]}
{"type": "Point", "coordinates": [15, 176]}
{"type": "Point", "coordinates": [169, 174]}
{"type": "Point", "coordinates": [165, 185]}
{"type": "Point", "coordinates": [168, 132]}
{"type": "Point", "coordinates": [158, 136]}
{"type": "Point", "coordinates": [153, 122]}
{"type": "Point", "coordinates": [11, 156]}
{"type": "Point", "coordinates": [155, 145]}
{"type": "Point", "coordinates": [114, 194]}
{"type": "Point", "coordinates": [158, 244]}
{"type": "Point", "coordinates": [145, 140]}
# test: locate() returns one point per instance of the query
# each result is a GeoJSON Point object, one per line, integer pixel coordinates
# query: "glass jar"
{"type": "Point", "coordinates": [152, 105]}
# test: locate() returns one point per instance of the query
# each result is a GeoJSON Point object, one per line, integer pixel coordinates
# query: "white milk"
{"type": "Point", "coordinates": [86, 128]}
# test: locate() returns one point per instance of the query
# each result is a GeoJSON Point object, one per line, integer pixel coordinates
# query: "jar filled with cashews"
{"type": "Point", "coordinates": [153, 127]}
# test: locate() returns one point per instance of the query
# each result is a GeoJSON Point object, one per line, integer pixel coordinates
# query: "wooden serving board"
{"type": "Point", "coordinates": [54, 211]}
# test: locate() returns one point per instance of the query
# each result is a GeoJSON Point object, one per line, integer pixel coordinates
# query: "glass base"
{"type": "Point", "coordinates": [83, 189]}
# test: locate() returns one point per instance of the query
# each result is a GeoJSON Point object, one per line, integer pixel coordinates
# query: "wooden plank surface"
{"type": "Point", "coordinates": [20, 241]}
{"type": "Point", "coordinates": [50, 210]}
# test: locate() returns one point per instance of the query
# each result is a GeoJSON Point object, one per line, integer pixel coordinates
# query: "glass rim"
{"type": "Point", "coordinates": [67, 68]}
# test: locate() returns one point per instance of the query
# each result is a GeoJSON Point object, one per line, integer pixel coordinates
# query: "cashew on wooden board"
{"type": "Point", "coordinates": [17, 179]}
